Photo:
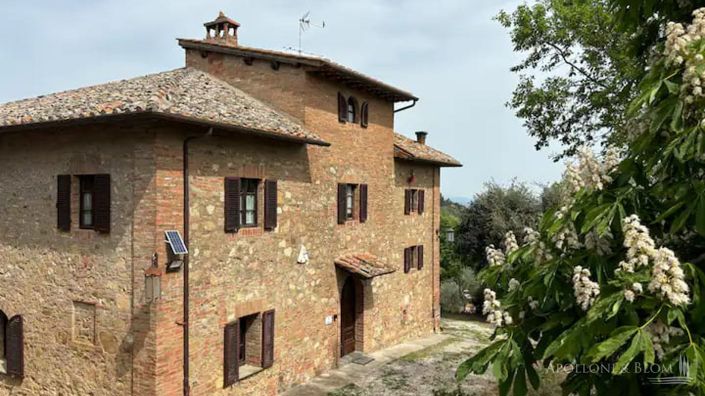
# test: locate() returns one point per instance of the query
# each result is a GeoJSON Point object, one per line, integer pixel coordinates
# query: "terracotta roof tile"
{"type": "Point", "coordinates": [412, 150]}
{"type": "Point", "coordinates": [363, 264]}
{"type": "Point", "coordinates": [184, 93]}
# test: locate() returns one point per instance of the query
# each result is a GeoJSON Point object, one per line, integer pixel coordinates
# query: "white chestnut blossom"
{"type": "Point", "coordinates": [492, 308]}
{"type": "Point", "coordinates": [532, 238]}
{"type": "Point", "coordinates": [566, 238]}
{"type": "Point", "coordinates": [495, 257]}
{"type": "Point", "coordinates": [533, 304]}
{"type": "Point", "coordinates": [667, 278]}
{"type": "Point", "coordinates": [589, 172]}
{"type": "Point", "coordinates": [586, 291]}
{"type": "Point", "coordinates": [513, 284]}
{"type": "Point", "coordinates": [630, 294]}
{"type": "Point", "coordinates": [680, 49]}
{"type": "Point", "coordinates": [640, 246]}
{"type": "Point", "coordinates": [661, 335]}
{"type": "Point", "coordinates": [510, 243]}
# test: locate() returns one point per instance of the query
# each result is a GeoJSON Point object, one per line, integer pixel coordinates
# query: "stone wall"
{"type": "Point", "coordinates": [79, 292]}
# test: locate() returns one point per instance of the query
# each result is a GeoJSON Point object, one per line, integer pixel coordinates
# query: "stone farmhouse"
{"type": "Point", "coordinates": [235, 226]}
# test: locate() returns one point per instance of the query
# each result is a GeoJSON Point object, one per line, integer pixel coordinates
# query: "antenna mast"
{"type": "Point", "coordinates": [305, 24]}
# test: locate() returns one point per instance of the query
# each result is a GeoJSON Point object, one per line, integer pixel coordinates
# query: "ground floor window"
{"type": "Point", "coordinates": [11, 345]}
{"type": "Point", "coordinates": [249, 346]}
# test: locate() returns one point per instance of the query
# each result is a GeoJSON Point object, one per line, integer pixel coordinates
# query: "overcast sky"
{"type": "Point", "coordinates": [450, 53]}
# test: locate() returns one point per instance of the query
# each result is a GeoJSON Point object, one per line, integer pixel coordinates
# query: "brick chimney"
{"type": "Point", "coordinates": [222, 30]}
{"type": "Point", "coordinates": [421, 137]}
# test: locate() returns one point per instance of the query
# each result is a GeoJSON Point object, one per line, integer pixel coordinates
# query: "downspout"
{"type": "Point", "coordinates": [407, 107]}
{"type": "Point", "coordinates": [187, 216]}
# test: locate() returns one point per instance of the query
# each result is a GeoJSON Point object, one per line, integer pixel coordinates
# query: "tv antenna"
{"type": "Point", "coordinates": [305, 24]}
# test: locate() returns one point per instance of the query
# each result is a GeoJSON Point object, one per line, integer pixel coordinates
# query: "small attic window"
{"type": "Point", "coordinates": [352, 109]}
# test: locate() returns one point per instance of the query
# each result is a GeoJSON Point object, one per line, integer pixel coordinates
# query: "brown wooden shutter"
{"type": "Point", "coordinates": [341, 204]}
{"type": "Point", "coordinates": [14, 346]}
{"type": "Point", "coordinates": [101, 203]}
{"type": "Point", "coordinates": [407, 201]}
{"type": "Point", "coordinates": [421, 201]}
{"type": "Point", "coordinates": [407, 260]}
{"type": "Point", "coordinates": [270, 205]}
{"type": "Point", "coordinates": [63, 202]}
{"type": "Point", "coordinates": [232, 204]}
{"type": "Point", "coordinates": [364, 116]}
{"type": "Point", "coordinates": [231, 361]}
{"type": "Point", "coordinates": [342, 108]}
{"type": "Point", "coordinates": [419, 253]}
{"type": "Point", "coordinates": [363, 203]}
{"type": "Point", "coordinates": [267, 339]}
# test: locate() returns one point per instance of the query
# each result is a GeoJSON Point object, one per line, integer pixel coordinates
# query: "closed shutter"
{"type": "Point", "coordinates": [14, 346]}
{"type": "Point", "coordinates": [421, 201]}
{"type": "Point", "coordinates": [63, 202]}
{"type": "Point", "coordinates": [270, 205]}
{"type": "Point", "coordinates": [267, 339]}
{"type": "Point", "coordinates": [407, 260]}
{"type": "Point", "coordinates": [341, 204]}
{"type": "Point", "coordinates": [419, 252]}
{"type": "Point", "coordinates": [232, 204]}
{"type": "Point", "coordinates": [101, 203]}
{"type": "Point", "coordinates": [364, 116]}
{"type": "Point", "coordinates": [407, 202]}
{"type": "Point", "coordinates": [342, 108]}
{"type": "Point", "coordinates": [363, 203]}
{"type": "Point", "coordinates": [231, 345]}
{"type": "Point", "coordinates": [3, 327]}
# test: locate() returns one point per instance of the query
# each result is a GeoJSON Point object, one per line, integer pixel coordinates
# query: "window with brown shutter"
{"type": "Point", "coordinates": [232, 204]}
{"type": "Point", "coordinates": [248, 202]}
{"type": "Point", "coordinates": [364, 114]}
{"type": "Point", "coordinates": [3, 326]}
{"type": "Point", "coordinates": [231, 361]}
{"type": "Point", "coordinates": [14, 346]}
{"type": "Point", "coordinates": [341, 203]}
{"type": "Point", "coordinates": [419, 254]}
{"type": "Point", "coordinates": [351, 115]}
{"type": "Point", "coordinates": [267, 339]}
{"type": "Point", "coordinates": [363, 203]}
{"type": "Point", "coordinates": [101, 203]}
{"type": "Point", "coordinates": [342, 108]}
{"type": "Point", "coordinates": [63, 202]}
{"type": "Point", "coordinates": [270, 205]}
{"type": "Point", "coordinates": [421, 202]}
{"type": "Point", "coordinates": [407, 202]}
{"type": "Point", "coordinates": [86, 196]}
{"type": "Point", "coordinates": [407, 260]}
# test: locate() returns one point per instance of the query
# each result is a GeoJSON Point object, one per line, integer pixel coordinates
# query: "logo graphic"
{"type": "Point", "coordinates": [682, 379]}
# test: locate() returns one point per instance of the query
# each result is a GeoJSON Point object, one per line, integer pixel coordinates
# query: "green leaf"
{"type": "Point", "coordinates": [478, 363]}
{"type": "Point", "coordinates": [649, 353]}
{"type": "Point", "coordinates": [520, 383]}
{"type": "Point", "coordinates": [533, 376]}
{"type": "Point", "coordinates": [680, 221]}
{"type": "Point", "coordinates": [700, 217]}
{"type": "Point", "coordinates": [606, 348]}
{"type": "Point", "coordinates": [629, 355]}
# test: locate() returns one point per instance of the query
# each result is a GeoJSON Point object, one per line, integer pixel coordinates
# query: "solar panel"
{"type": "Point", "coordinates": [175, 241]}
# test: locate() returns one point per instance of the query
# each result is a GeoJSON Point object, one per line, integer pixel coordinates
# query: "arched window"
{"type": "Point", "coordinates": [352, 109]}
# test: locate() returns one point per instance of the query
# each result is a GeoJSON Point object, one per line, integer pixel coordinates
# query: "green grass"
{"type": "Point", "coordinates": [428, 351]}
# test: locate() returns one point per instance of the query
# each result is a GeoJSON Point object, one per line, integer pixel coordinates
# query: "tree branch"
{"type": "Point", "coordinates": [575, 67]}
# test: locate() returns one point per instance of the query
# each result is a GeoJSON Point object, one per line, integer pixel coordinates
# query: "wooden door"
{"type": "Point", "coordinates": [347, 317]}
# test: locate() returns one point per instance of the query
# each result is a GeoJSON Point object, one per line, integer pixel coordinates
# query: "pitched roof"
{"type": "Point", "coordinates": [409, 149]}
{"type": "Point", "coordinates": [185, 94]}
{"type": "Point", "coordinates": [320, 65]}
{"type": "Point", "coordinates": [363, 264]}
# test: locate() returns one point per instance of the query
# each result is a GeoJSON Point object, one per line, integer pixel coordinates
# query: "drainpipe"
{"type": "Point", "coordinates": [187, 216]}
{"type": "Point", "coordinates": [407, 107]}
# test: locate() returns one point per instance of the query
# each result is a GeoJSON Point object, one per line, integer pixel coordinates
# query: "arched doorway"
{"type": "Point", "coordinates": [350, 302]}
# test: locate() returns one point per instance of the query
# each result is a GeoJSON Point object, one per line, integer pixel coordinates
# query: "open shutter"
{"type": "Point", "coordinates": [419, 253]}
{"type": "Point", "coordinates": [341, 203]}
{"type": "Point", "coordinates": [267, 339]}
{"type": "Point", "coordinates": [101, 203]}
{"type": "Point", "coordinates": [407, 202]}
{"type": "Point", "coordinates": [270, 205]}
{"type": "Point", "coordinates": [407, 260]}
{"type": "Point", "coordinates": [363, 203]}
{"type": "Point", "coordinates": [364, 117]}
{"type": "Point", "coordinates": [63, 202]}
{"type": "Point", "coordinates": [421, 202]}
{"type": "Point", "coordinates": [342, 108]}
{"type": "Point", "coordinates": [232, 204]}
{"type": "Point", "coordinates": [231, 345]}
{"type": "Point", "coordinates": [14, 346]}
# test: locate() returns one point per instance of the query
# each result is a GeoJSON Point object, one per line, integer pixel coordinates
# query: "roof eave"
{"type": "Point", "coordinates": [325, 67]}
{"type": "Point", "coordinates": [440, 164]}
{"type": "Point", "coordinates": [108, 118]}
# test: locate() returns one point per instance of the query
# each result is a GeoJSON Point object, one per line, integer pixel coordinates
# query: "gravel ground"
{"type": "Point", "coordinates": [431, 371]}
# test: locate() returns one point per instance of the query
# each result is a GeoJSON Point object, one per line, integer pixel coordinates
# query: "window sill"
{"type": "Point", "coordinates": [249, 231]}
{"type": "Point", "coordinates": [247, 370]}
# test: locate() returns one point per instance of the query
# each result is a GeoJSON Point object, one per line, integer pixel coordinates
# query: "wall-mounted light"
{"type": "Point", "coordinates": [450, 235]}
{"type": "Point", "coordinates": [153, 281]}
{"type": "Point", "coordinates": [176, 250]}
